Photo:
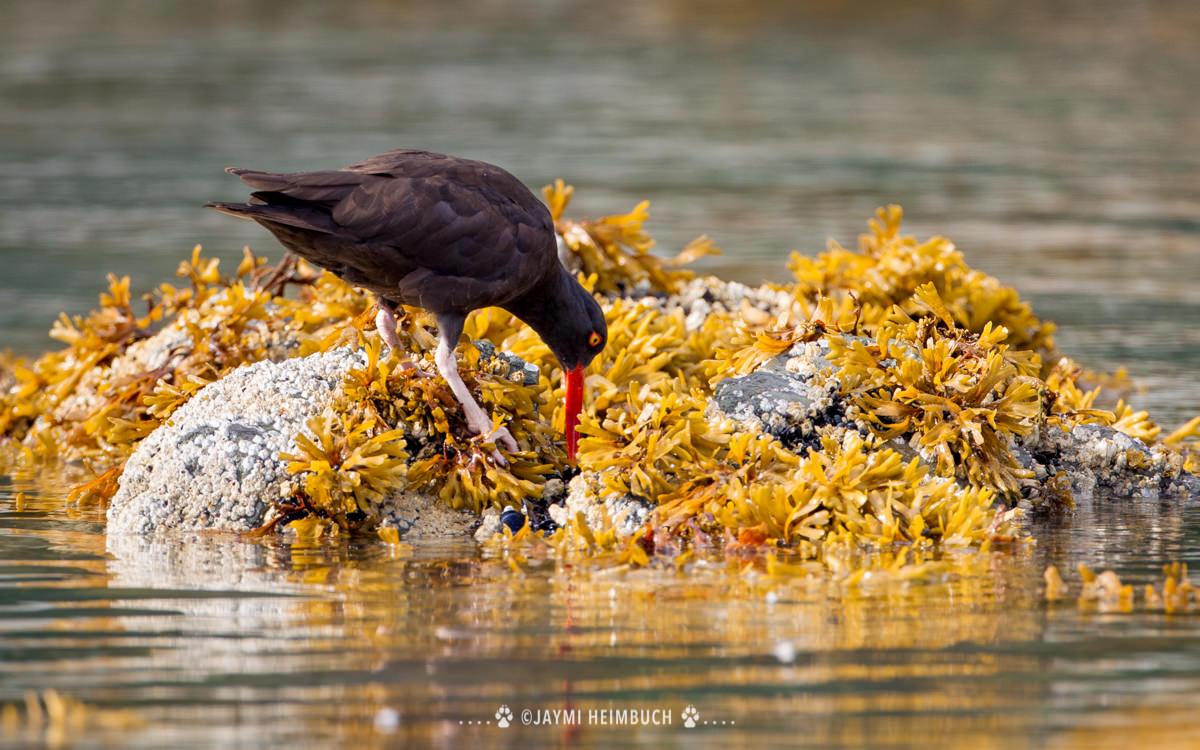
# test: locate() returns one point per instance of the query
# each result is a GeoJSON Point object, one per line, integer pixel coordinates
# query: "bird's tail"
{"type": "Point", "coordinates": [258, 179]}
{"type": "Point", "coordinates": [299, 217]}
{"type": "Point", "coordinates": [240, 210]}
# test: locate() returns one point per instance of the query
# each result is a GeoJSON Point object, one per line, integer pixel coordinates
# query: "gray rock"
{"type": "Point", "coordinates": [784, 404]}
{"type": "Point", "coordinates": [795, 398]}
{"type": "Point", "coordinates": [419, 516]}
{"type": "Point", "coordinates": [513, 368]}
{"type": "Point", "coordinates": [1102, 461]}
{"type": "Point", "coordinates": [489, 525]}
{"type": "Point", "coordinates": [554, 491]}
{"type": "Point", "coordinates": [585, 494]}
{"type": "Point", "coordinates": [215, 464]}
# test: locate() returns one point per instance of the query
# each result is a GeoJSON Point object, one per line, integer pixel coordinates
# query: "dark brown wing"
{"type": "Point", "coordinates": [436, 231]}
{"type": "Point", "coordinates": [496, 184]}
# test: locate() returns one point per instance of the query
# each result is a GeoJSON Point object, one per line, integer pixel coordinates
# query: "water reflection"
{"type": "Point", "coordinates": [214, 640]}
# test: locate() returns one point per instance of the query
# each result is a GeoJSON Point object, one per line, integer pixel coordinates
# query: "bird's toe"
{"type": "Point", "coordinates": [407, 366]}
{"type": "Point", "coordinates": [503, 438]}
{"type": "Point", "coordinates": [412, 368]}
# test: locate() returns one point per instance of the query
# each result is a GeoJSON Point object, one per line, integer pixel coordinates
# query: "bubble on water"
{"type": "Point", "coordinates": [387, 720]}
{"type": "Point", "coordinates": [785, 652]}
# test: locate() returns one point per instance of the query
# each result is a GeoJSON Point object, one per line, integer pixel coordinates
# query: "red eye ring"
{"type": "Point", "coordinates": [595, 339]}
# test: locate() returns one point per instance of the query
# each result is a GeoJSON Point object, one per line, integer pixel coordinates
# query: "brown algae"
{"type": "Point", "coordinates": [946, 377]}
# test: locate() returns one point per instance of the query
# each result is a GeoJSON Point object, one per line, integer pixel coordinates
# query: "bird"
{"type": "Point", "coordinates": [446, 234]}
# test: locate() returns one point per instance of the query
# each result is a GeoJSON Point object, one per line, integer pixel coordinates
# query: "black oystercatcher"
{"type": "Point", "coordinates": [446, 234]}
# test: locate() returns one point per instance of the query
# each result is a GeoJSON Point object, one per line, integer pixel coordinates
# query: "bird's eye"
{"type": "Point", "coordinates": [595, 339]}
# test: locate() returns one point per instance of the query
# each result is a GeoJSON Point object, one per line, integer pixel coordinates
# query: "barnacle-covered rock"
{"type": "Point", "coordinates": [703, 297]}
{"type": "Point", "coordinates": [283, 440]}
{"type": "Point", "coordinates": [489, 524]}
{"type": "Point", "coordinates": [420, 515]}
{"type": "Point", "coordinates": [510, 366]}
{"type": "Point", "coordinates": [1099, 460]}
{"type": "Point", "coordinates": [216, 463]}
{"type": "Point", "coordinates": [886, 394]}
{"type": "Point", "coordinates": [156, 355]}
{"type": "Point", "coordinates": [600, 509]}
{"type": "Point", "coordinates": [781, 404]}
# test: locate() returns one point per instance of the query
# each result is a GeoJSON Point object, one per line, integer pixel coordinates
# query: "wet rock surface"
{"type": "Point", "coordinates": [420, 516]}
{"type": "Point", "coordinates": [795, 398]}
{"type": "Point", "coordinates": [511, 366]}
{"type": "Point", "coordinates": [215, 464]}
{"type": "Point", "coordinates": [782, 404]}
{"type": "Point", "coordinates": [789, 397]}
{"type": "Point", "coordinates": [601, 510]}
{"type": "Point", "coordinates": [1102, 461]}
{"type": "Point", "coordinates": [538, 512]}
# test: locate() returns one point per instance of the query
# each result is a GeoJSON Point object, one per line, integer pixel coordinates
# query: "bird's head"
{"type": "Point", "coordinates": [581, 335]}
{"type": "Point", "coordinates": [571, 323]}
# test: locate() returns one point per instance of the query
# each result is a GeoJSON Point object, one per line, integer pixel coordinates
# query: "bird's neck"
{"type": "Point", "coordinates": [551, 308]}
{"type": "Point", "coordinates": [545, 303]}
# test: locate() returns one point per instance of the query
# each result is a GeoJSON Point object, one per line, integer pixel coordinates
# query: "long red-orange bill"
{"type": "Point", "coordinates": [574, 404]}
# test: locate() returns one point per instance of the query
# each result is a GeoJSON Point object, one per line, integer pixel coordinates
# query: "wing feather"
{"type": "Point", "coordinates": [467, 229]}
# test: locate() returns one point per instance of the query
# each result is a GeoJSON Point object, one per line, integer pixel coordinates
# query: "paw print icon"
{"type": "Point", "coordinates": [503, 716]}
{"type": "Point", "coordinates": [690, 716]}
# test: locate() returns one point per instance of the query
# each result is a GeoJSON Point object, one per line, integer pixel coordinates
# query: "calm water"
{"type": "Point", "coordinates": [1058, 144]}
{"type": "Point", "coordinates": [216, 642]}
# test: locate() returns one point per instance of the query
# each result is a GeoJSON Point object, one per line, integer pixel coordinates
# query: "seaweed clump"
{"type": "Point", "coordinates": [122, 374]}
{"type": "Point", "coordinates": [944, 380]}
{"type": "Point", "coordinates": [960, 394]}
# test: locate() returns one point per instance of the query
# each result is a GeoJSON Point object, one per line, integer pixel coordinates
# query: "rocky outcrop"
{"type": "Point", "coordinates": [795, 397]}
{"type": "Point", "coordinates": [216, 463]}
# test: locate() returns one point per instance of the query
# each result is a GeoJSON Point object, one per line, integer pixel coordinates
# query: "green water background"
{"type": "Point", "coordinates": [1057, 143]}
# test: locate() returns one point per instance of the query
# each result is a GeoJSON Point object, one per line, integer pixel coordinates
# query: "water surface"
{"type": "Point", "coordinates": [215, 641]}
{"type": "Point", "coordinates": [1057, 143]}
